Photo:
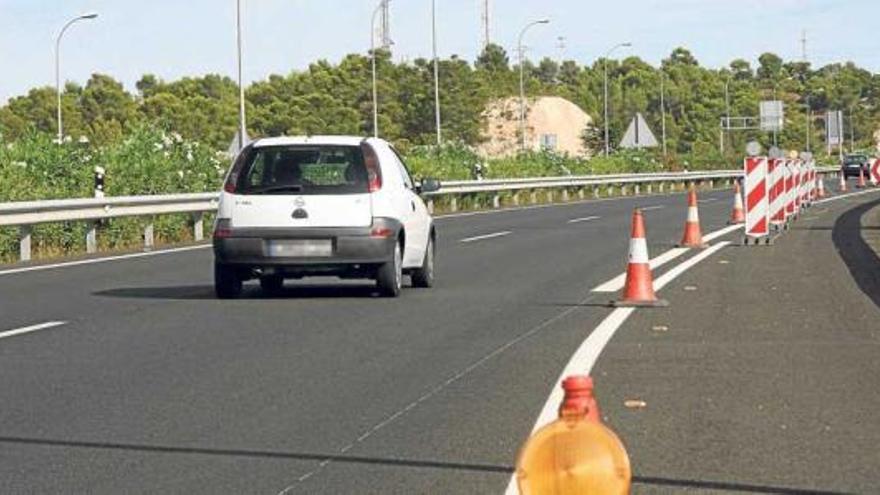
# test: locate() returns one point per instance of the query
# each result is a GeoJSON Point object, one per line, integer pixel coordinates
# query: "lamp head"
{"type": "Point", "coordinates": [90, 15]}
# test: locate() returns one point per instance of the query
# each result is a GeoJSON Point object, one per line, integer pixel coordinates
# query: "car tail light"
{"type": "Point", "coordinates": [374, 173]}
{"type": "Point", "coordinates": [229, 186]}
{"type": "Point", "coordinates": [380, 229]}
{"type": "Point", "coordinates": [381, 232]}
{"type": "Point", "coordinates": [222, 228]}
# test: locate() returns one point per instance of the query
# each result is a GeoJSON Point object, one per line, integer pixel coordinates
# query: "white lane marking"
{"type": "Point", "coordinates": [651, 208]}
{"type": "Point", "coordinates": [617, 283]}
{"type": "Point", "coordinates": [585, 357]}
{"type": "Point", "coordinates": [440, 387]}
{"type": "Point", "coordinates": [844, 196]}
{"type": "Point", "coordinates": [32, 328]}
{"type": "Point", "coordinates": [710, 200]}
{"type": "Point", "coordinates": [485, 237]}
{"type": "Point", "coordinates": [102, 260]}
{"type": "Point", "coordinates": [583, 219]}
{"type": "Point", "coordinates": [722, 232]}
{"type": "Point", "coordinates": [672, 274]}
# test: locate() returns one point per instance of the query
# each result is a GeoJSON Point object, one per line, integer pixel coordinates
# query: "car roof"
{"type": "Point", "coordinates": [318, 140]}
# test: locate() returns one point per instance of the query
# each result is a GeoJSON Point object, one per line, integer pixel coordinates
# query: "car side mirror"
{"type": "Point", "coordinates": [428, 186]}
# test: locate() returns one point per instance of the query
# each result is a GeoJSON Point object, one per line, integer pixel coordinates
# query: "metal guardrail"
{"type": "Point", "coordinates": [26, 214]}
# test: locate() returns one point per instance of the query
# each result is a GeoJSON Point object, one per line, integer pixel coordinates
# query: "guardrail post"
{"type": "Point", "coordinates": [533, 197]}
{"type": "Point", "coordinates": [661, 186]}
{"type": "Point", "coordinates": [148, 236]}
{"type": "Point", "coordinates": [581, 193]}
{"type": "Point", "coordinates": [496, 201]}
{"type": "Point", "coordinates": [638, 189]}
{"type": "Point", "coordinates": [596, 192]}
{"type": "Point", "coordinates": [623, 189]}
{"type": "Point", "coordinates": [549, 195]}
{"type": "Point", "coordinates": [610, 190]}
{"type": "Point", "coordinates": [650, 188]}
{"type": "Point", "coordinates": [515, 199]}
{"type": "Point", "coordinates": [24, 243]}
{"type": "Point", "coordinates": [199, 227]}
{"type": "Point", "coordinates": [92, 238]}
{"type": "Point", "coordinates": [453, 204]}
{"type": "Point", "coordinates": [711, 183]}
{"type": "Point", "coordinates": [565, 195]}
{"type": "Point", "coordinates": [430, 206]}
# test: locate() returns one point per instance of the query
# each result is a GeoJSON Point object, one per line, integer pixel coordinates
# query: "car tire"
{"type": "Point", "coordinates": [272, 284]}
{"type": "Point", "coordinates": [389, 276]}
{"type": "Point", "coordinates": [227, 283]}
{"type": "Point", "coordinates": [423, 277]}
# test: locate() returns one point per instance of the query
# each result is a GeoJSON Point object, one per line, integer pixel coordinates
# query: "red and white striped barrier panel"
{"type": "Point", "coordinates": [798, 186]}
{"type": "Point", "coordinates": [791, 179]}
{"type": "Point", "coordinates": [776, 178]}
{"type": "Point", "coordinates": [875, 172]}
{"type": "Point", "coordinates": [757, 204]}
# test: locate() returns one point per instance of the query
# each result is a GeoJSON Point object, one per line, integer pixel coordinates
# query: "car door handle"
{"type": "Point", "coordinates": [413, 204]}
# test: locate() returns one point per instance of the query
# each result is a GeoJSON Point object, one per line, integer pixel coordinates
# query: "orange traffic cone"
{"type": "Point", "coordinates": [576, 453]}
{"type": "Point", "coordinates": [639, 288]}
{"type": "Point", "coordinates": [861, 184]}
{"type": "Point", "coordinates": [693, 236]}
{"type": "Point", "coordinates": [739, 215]}
{"type": "Point", "coordinates": [842, 186]}
{"type": "Point", "coordinates": [820, 190]}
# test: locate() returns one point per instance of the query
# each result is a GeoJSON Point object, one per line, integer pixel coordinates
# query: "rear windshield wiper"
{"type": "Point", "coordinates": [272, 189]}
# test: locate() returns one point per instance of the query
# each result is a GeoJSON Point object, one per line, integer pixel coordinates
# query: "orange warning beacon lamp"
{"type": "Point", "coordinates": [576, 454]}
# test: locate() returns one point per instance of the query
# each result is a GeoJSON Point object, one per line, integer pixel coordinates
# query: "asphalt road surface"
{"type": "Point", "coordinates": [147, 384]}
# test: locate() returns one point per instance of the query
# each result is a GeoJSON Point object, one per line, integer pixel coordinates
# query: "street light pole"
{"type": "Point", "coordinates": [58, 69]}
{"type": "Point", "coordinates": [726, 130]}
{"type": "Point", "coordinates": [522, 87]}
{"type": "Point", "coordinates": [242, 124]}
{"type": "Point", "coordinates": [663, 108]}
{"type": "Point", "coordinates": [605, 63]}
{"type": "Point", "coordinates": [373, 57]}
{"type": "Point", "coordinates": [436, 69]}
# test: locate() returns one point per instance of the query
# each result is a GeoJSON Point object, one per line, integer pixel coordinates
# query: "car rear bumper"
{"type": "Point", "coordinates": [351, 247]}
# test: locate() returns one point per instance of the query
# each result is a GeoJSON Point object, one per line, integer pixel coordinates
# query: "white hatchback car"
{"type": "Point", "coordinates": [293, 207]}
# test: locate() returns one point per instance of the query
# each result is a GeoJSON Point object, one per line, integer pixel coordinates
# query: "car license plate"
{"type": "Point", "coordinates": [300, 248]}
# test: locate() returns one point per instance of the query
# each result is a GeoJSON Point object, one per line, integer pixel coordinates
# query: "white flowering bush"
{"type": "Point", "coordinates": [148, 161]}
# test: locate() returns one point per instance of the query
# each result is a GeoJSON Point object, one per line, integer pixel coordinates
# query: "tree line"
{"type": "Point", "coordinates": [328, 98]}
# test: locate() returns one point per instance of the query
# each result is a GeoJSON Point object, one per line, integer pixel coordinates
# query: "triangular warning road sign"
{"type": "Point", "coordinates": [638, 134]}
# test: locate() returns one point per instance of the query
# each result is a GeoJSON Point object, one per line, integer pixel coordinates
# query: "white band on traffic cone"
{"type": "Point", "coordinates": [638, 250]}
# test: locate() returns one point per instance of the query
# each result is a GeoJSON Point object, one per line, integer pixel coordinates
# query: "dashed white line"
{"type": "Point", "coordinates": [583, 219]}
{"type": "Point", "coordinates": [652, 208]}
{"type": "Point", "coordinates": [722, 232]}
{"type": "Point", "coordinates": [102, 260]}
{"type": "Point", "coordinates": [32, 328]}
{"type": "Point", "coordinates": [486, 237]}
{"type": "Point", "coordinates": [709, 200]}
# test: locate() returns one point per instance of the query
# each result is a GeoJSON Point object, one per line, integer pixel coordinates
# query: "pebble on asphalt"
{"type": "Point", "coordinates": [635, 404]}
{"type": "Point", "coordinates": [690, 288]}
{"type": "Point", "coordinates": [660, 328]}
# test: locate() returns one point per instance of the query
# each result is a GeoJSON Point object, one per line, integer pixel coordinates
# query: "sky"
{"type": "Point", "coordinates": [176, 38]}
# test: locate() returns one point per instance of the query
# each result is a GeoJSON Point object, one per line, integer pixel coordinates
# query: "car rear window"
{"type": "Point", "coordinates": [855, 159]}
{"type": "Point", "coordinates": [304, 170]}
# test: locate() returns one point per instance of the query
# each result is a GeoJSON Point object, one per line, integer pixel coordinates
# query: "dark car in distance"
{"type": "Point", "coordinates": [852, 164]}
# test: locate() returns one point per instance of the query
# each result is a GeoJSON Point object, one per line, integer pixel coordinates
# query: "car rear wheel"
{"type": "Point", "coordinates": [227, 283]}
{"type": "Point", "coordinates": [424, 277]}
{"type": "Point", "coordinates": [272, 284]}
{"type": "Point", "coordinates": [389, 277]}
